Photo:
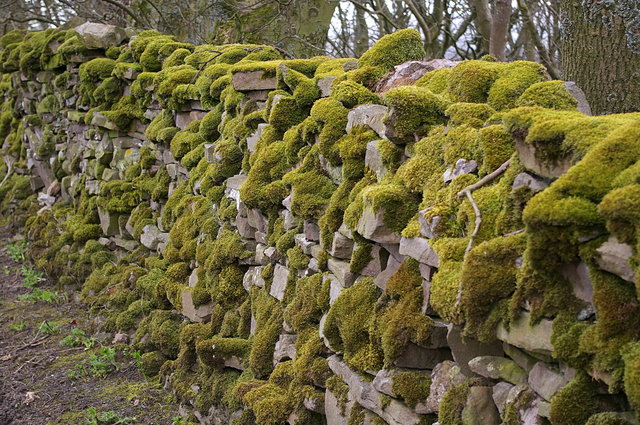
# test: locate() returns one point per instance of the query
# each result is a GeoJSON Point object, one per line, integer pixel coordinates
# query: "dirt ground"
{"type": "Point", "coordinates": [83, 379]}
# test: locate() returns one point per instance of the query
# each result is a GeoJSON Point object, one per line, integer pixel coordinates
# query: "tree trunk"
{"type": "Point", "coordinates": [483, 24]}
{"type": "Point", "coordinates": [601, 53]}
{"type": "Point", "coordinates": [500, 29]}
{"type": "Point", "coordinates": [361, 33]}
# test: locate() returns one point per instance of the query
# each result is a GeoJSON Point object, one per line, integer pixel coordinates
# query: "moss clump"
{"type": "Point", "coordinates": [414, 111]}
{"type": "Point", "coordinates": [307, 304]}
{"type": "Point", "coordinates": [471, 114]}
{"type": "Point", "coordinates": [352, 94]}
{"type": "Point", "coordinates": [576, 402]}
{"type": "Point", "coordinates": [452, 405]}
{"type": "Point", "coordinates": [550, 95]}
{"type": "Point", "coordinates": [391, 50]}
{"type": "Point", "coordinates": [608, 418]}
{"type": "Point", "coordinates": [397, 205]}
{"type": "Point", "coordinates": [332, 115]}
{"type": "Point", "coordinates": [412, 387]}
{"type": "Point", "coordinates": [348, 326]}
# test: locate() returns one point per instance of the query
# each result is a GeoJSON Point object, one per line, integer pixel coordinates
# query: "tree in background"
{"type": "Point", "coordinates": [601, 52]}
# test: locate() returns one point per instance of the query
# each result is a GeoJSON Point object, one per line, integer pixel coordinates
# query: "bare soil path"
{"type": "Point", "coordinates": [55, 368]}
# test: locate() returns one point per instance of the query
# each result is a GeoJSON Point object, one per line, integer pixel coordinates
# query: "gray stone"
{"type": "Point", "coordinates": [393, 265]}
{"type": "Point", "coordinates": [373, 267]}
{"type": "Point", "coordinates": [362, 391]}
{"type": "Point", "coordinates": [183, 119]}
{"type": "Point", "coordinates": [548, 169]}
{"type": "Point", "coordinates": [501, 368]}
{"type": "Point", "coordinates": [125, 244]}
{"type": "Point", "coordinates": [314, 404]}
{"type": "Point", "coordinates": [408, 73]}
{"type": "Point", "coordinates": [100, 36]}
{"type": "Point", "coordinates": [335, 288]}
{"type": "Point", "coordinates": [419, 249]}
{"type": "Point", "coordinates": [578, 275]}
{"type": "Point", "coordinates": [303, 243]}
{"type": "Point", "coordinates": [209, 152]}
{"type": "Point", "coordinates": [151, 237]}
{"type": "Point", "coordinates": [368, 115]}
{"type": "Point", "coordinates": [461, 168]}
{"type": "Point", "coordinates": [464, 349]}
{"type": "Point", "coordinates": [500, 394]}
{"type": "Point", "coordinates": [428, 226]}
{"type": "Point", "coordinates": [311, 231]}
{"type": "Point", "coordinates": [536, 338]}
{"type": "Point", "coordinates": [373, 159]}
{"type": "Point", "coordinates": [279, 284]}
{"type": "Point", "coordinates": [527, 180]}
{"type": "Point", "coordinates": [341, 269]}
{"type": "Point", "coordinates": [195, 314]}
{"type": "Point", "coordinates": [383, 381]}
{"type": "Point", "coordinates": [108, 222]}
{"type": "Point", "coordinates": [416, 357]}
{"type": "Point", "coordinates": [614, 256]}
{"type": "Point", "coordinates": [480, 409]}
{"type": "Point", "coordinates": [521, 358]}
{"type": "Point", "coordinates": [546, 381]}
{"type": "Point", "coordinates": [371, 226]}
{"type": "Point", "coordinates": [341, 247]}
{"type": "Point", "coordinates": [253, 80]}
{"type": "Point", "coordinates": [285, 348]}
{"type": "Point", "coordinates": [253, 277]}
{"type": "Point", "coordinates": [444, 377]}
{"type": "Point", "coordinates": [335, 413]}
{"type": "Point", "coordinates": [335, 173]}
{"type": "Point", "coordinates": [253, 140]}
{"type": "Point", "coordinates": [324, 84]}
{"type": "Point", "coordinates": [193, 278]}
{"type": "Point", "coordinates": [257, 220]}
{"type": "Point", "coordinates": [577, 93]}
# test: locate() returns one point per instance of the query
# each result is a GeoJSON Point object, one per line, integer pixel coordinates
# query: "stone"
{"type": "Point", "coordinates": [342, 247]}
{"type": "Point", "coordinates": [100, 36]}
{"type": "Point", "coordinates": [324, 84]}
{"type": "Point", "coordinates": [210, 152]}
{"type": "Point", "coordinates": [546, 381]}
{"type": "Point", "coordinates": [193, 278]}
{"type": "Point", "coordinates": [341, 269]}
{"type": "Point", "coordinates": [577, 93]}
{"type": "Point", "coordinates": [303, 243]}
{"type": "Point", "coordinates": [373, 159]}
{"type": "Point", "coordinates": [183, 119]}
{"type": "Point", "coordinates": [279, 284]}
{"type": "Point", "coordinates": [335, 288]}
{"type": "Point", "coordinates": [253, 80]}
{"type": "Point", "coordinates": [126, 244]}
{"type": "Point", "coordinates": [334, 172]}
{"type": "Point", "coordinates": [285, 348]}
{"type": "Point", "coordinates": [444, 377]}
{"type": "Point", "coordinates": [417, 357]}
{"type": "Point", "coordinates": [314, 404]}
{"type": "Point", "coordinates": [54, 188]}
{"type": "Point", "coordinates": [152, 237]}
{"type": "Point", "coordinates": [501, 368]}
{"type": "Point", "coordinates": [253, 140]}
{"type": "Point", "coordinates": [461, 168]}
{"type": "Point", "coordinates": [195, 314]}
{"type": "Point", "coordinates": [46, 200]}
{"type": "Point", "coordinates": [383, 381]}
{"type": "Point", "coordinates": [374, 266]}
{"type": "Point", "coordinates": [408, 73]}
{"type": "Point", "coordinates": [531, 162]}
{"type": "Point", "coordinates": [244, 229]}
{"type": "Point", "coordinates": [108, 222]}
{"type": "Point", "coordinates": [257, 220]}
{"type": "Point", "coordinates": [614, 256]}
{"type": "Point", "coordinates": [464, 349]}
{"type": "Point", "coordinates": [419, 249]}
{"type": "Point", "coordinates": [534, 184]}
{"type": "Point", "coordinates": [311, 231]}
{"type": "Point", "coordinates": [500, 394]}
{"type": "Point", "coordinates": [335, 412]}
{"type": "Point", "coordinates": [536, 338]}
{"type": "Point", "coordinates": [521, 358]}
{"type": "Point", "coordinates": [371, 226]}
{"type": "Point", "coordinates": [363, 392]}
{"type": "Point", "coordinates": [480, 409]}
{"type": "Point", "coordinates": [369, 115]}
{"type": "Point", "coordinates": [393, 265]}
{"type": "Point", "coordinates": [253, 277]}
{"type": "Point", "coordinates": [578, 275]}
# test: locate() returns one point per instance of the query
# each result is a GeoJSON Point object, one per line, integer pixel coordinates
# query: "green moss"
{"type": "Point", "coordinates": [414, 111]}
{"type": "Point", "coordinates": [332, 115]}
{"type": "Point", "coordinates": [452, 405]}
{"type": "Point", "coordinates": [608, 418]}
{"type": "Point", "coordinates": [412, 387]}
{"type": "Point", "coordinates": [348, 326]}
{"type": "Point", "coordinates": [352, 94]}
{"type": "Point", "coordinates": [471, 114]}
{"type": "Point", "coordinates": [548, 94]}
{"type": "Point", "coordinates": [397, 205]}
{"type": "Point", "coordinates": [268, 315]}
{"type": "Point", "coordinates": [576, 402]}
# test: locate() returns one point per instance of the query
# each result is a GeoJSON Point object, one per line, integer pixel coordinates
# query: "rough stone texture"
{"type": "Point", "coordinates": [461, 167]}
{"type": "Point", "coordinates": [535, 338]}
{"type": "Point", "coordinates": [409, 72]}
{"type": "Point", "coordinates": [577, 93]}
{"type": "Point", "coordinates": [419, 249]}
{"type": "Point", "coordinates": [501, 368]}
{"type": "Point", "coordinates": [279, 284]}
{"type": "Point", "coordinates": [341, 246]}
{"type": "Point", "coordinates": [530, 161]}
{"type": "Point", "coordinates": [383, 382]}
{"type": "Point", "coordinates": [578, 275]}
{"type": "Point", "coordinates": [253, 80]}
{"type": "Point", "coordinates": [395, 413]}
{"type": "Point", "coordinates": [341, 270]}
{"type": "Point", "coordinates": [285, 348]}
{"type": "Point", "coordinates": [195, 314]}
{"type": "Point", "coordinates": [371, 226]}
{"type": "Point", "coordinates": [500, 393]}
{"type": "Point", "coordinates": [416, 357]}
{"type": "Point", "coordinates": [368, 115]}
{"type": "Point", "coordinates": [336, 414]}
{"type": "Point", "coordinates": [527, 180]}
{"type": "Point", "coordinates": [428, 226]}
{"type": "Point", "coordinates": [480, 409]}
{"type": "Point", "coordinates": [183, 119]}
{"type": "Point", "coordinates": [324, 84]}
{"type": "Point", "coordinates": [614, 256]}
{"type": "Point", "coordinates": [444, 377]}
{"type": "Point", "coordinates": [546, 381]}
{"type": "Point", "coordinates": [108, 222]}
{"type": "Point", "coordinates": [152, 237]}
{"type": "Point", "coordinates": [100, 36]}
{"type": "Point", "coordinates": [373, 160]}
{"type": "Point", "coordinates": [464, 349]}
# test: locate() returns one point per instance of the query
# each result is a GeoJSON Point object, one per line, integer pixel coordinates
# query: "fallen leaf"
{"type": "Point", "coordinates": [29, 397]}
{"type": "Point", "coordinates": [5, 358]}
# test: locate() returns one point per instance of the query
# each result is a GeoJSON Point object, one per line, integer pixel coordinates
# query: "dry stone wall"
{"type": "Point", "coordinates": [386, 240]}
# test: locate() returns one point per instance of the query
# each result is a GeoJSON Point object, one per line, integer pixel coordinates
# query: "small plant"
{"type": "Point", "coordinates": [49, 328]}
{"type": "Point", "coordinates": [31, 277]}
{"type": "Point", "coordinates": [17, 251]}
{"type": "Point", "coordinates": [38, 294]}
{"type": "Point", "coordinates": [106, 418]}
{"type": "Point", "coordinates": [18, 326]}
{"type": "Point", "coordinates": [77, 338]}
{"type": "Point", "coordinates": [6, 270]}
{"type": "Point", "coordinates": [135, 356]}
{"type": "Point", "coordinates": [102, 363]}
